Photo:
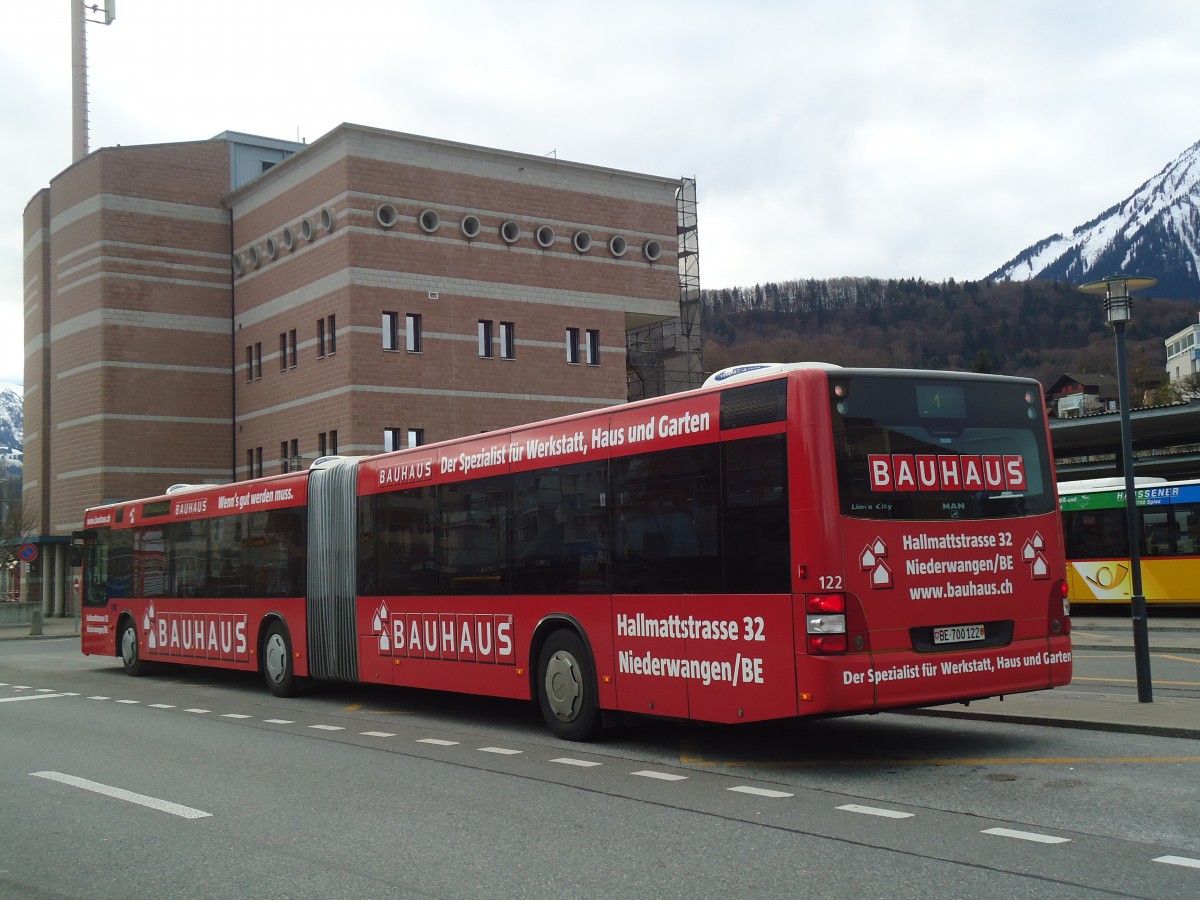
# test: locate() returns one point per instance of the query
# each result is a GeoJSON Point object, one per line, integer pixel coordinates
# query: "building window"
{"type": "Point", "coordinates": [391, 331]}
{"type": "Point", "coordinates": [593, 347]}
{"type": "Point", "coordinates": [573, 346]}
{"type": "Point", "coordinates": [283, 352]}
{"type": "Point", "coordinates": [412, 333]}
{"type": "Point", "coordinates": [258, 361]}
{"type": "Point", "coordinates": [294, 355]}
{"type": "Point", "coordinates": [485, 338]}
{"type": "Point", "coordinates": [327, 336]}
{"type": "Point", "coordinates": [254, 462]}
{"type": "Point", "coordinates": [249, 362]}
{"type": "Point", "coordinates": [391, 439]}
{"type": "Point", "coordinates": [322, 445]}
{"type": "Point", "coordinates": [416, 437]}
{"type": "Point", "coordinates": [333, 442]}
{"type": "Point", "coordinates": [508, 340]}
{"type": "Point", "coordinates": [283, 457]}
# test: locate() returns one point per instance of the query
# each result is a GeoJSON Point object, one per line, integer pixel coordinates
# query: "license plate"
{"type": "Point", "coordinates": [955, 634]}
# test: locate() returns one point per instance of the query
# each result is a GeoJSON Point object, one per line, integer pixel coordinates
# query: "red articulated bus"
{"type": "Point", "coordinates": [786, 541]}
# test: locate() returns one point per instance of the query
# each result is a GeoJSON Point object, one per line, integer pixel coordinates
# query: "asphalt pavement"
{"type": "Point", "coordinates": [1065, 707]}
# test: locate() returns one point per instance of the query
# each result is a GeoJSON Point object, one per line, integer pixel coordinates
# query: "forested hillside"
{"type": "Point", "coordinates": [1036, 328]}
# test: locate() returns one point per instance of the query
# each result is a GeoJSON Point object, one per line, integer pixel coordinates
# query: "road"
{"type": "Point", "coordinates": [198, 783]}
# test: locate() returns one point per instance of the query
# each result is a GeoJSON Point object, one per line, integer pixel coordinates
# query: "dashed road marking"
{"type": "Point", "coordinates": [175, 809]}
{"type": "Point", "coordinates": [234, 716]}
{"type": "Point", "coordinates": [502, 751]}
{"type": "Point", "coordinates": [31, 697]}
{"type": "Point", "coordinates": [437, 742]}
{"type": "Point", "coordinates": [280, 721]}
{"type": "Point", "coordinates": [661, 776]}
{"type": "Point", "coordinates": [198, 712]}
{"type": "Point", "coordinates": [378, 734]}
{"type": "Point", "coordinates": [759, 792]}
{"type": "Point", "coordinates": [1178, 861]}
{"type": "Point", "coordinates": [327, 727]}
{"type": "Point", "coordinates": [582, 763]}
{"type": "Point", "coordinates": [161, 706]}
{"type": "Point", "coordinates": [876, 811]}
{"type": "Point", "coordinates": [130, 702]}
{"type": "Point", "coordinates": [1026, 836]}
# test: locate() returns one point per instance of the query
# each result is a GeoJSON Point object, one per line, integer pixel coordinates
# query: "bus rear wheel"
{"type": "Point", "coordinates": [128, 644]}
{"type": "Point", "coordinates": [567, 688]}
{"type": "Point", "coordinates": [278, 666]}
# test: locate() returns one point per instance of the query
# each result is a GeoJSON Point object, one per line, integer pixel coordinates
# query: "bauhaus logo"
{"type": "Point", "coordinates": [897, 472]}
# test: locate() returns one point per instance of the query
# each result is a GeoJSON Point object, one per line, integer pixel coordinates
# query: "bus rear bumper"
{"type": "Point", "coordinates": [872, 682]}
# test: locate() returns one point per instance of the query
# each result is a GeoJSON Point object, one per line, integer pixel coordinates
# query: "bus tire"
{"type": "Point", "coordinates": [278, 665]}
{"type": "Point", "coordinates": [127, 647]}
{"type": "Point", "coordinates": [567, 688]}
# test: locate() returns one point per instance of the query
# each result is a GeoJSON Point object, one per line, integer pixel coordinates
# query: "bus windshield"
{"type": "Point", "coordinates": [939, 448]}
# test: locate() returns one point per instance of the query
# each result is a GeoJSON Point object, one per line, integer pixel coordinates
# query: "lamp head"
{"type": "Point", "coordinates": [1118, 306]}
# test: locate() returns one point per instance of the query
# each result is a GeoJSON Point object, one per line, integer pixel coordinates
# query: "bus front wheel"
{"type": "Point", "coordinates": [278, 667]}
{"type": "Point", "coordinates": [131, 659]}
{"type": "Point", "coordinates": [567, 688]}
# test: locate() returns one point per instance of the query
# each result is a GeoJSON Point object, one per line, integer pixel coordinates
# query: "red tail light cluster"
{"type": "Point", "coordinates": [1059, 613]}
{"type": "Point", "coordinates": [826, 623]}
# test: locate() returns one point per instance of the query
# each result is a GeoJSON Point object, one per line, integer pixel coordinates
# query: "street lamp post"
{"type": "Point", "coordinates": [1118, 312]}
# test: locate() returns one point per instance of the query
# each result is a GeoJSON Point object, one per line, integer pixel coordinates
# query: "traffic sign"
{"type": "Point", "coordinates": [28, 552]}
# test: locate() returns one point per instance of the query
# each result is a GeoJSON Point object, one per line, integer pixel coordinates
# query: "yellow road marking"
{"type": "Point", "coordinates": [966, 761]}
{"type": "Point", "coordinates": [1134, 681]}
{"type": "Point", "coordinates": [353, 707]}
{"type": "Point", "coordinates": [1186, 659]}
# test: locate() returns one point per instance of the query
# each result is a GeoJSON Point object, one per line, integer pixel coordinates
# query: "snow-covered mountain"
{"type": "Point", "coordinates": [12, 417]}
{"type": "Point", "coordinates": [1154, 232]}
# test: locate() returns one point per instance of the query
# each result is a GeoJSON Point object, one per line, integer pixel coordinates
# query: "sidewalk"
{"type": "Point", "coordinates": [1067, 707]}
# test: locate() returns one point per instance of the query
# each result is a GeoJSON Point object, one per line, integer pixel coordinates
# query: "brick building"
{"type": "Point", "coordinates": [209, 311]}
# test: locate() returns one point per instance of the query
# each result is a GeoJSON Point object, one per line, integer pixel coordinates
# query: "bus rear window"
{"type": "Point", "coordinates": [910, 448]}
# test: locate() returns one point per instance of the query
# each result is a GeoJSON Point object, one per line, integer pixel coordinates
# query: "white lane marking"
{"type": "Point", "coordinates": [1026, 836]}
{"type": "Point", "coordinates": [129, 701]}
{"type": "Point", "coordinates": [1178, 861]}
{"type": "Point", "coordinates": [162, 706]}
{"type": "Point", "coordinates": [327, 727]}
{"type": "Point", "coordinates": [437, 742]}
{"type": "Point", "coordinates": [20, 687]}
{"type": "Point", "coordinates": [280, 721]}
{"type": "Point", "coordinates": [234, 716]}
{"type": "Point", "coordinates": [45, 690]}
{"type": "Point", "coordinates": [759, 792]}
{"type": "Point", "coordinates": [30, 697]}
{"type": "Point", "coordinates": [3, 684]}
{"type": "Point", "coordinates": [376, 734]}
{"type": "Point", "coordinates": [197, 711]}
{"type": "Point", "coordinates": [99, 697]}
{"type": "Point", "coordinates": [582, 763]}
{"type": "Point", "coordinates": [875, 811]}
{"type": "Point", "coordinates": [503, 751]}
{"type": "Point", "coordinates": [661, 776]}
{"type": "Point", "coordinates": [175, 809]}
{"type": "Point", "coordinates": [70, 693]}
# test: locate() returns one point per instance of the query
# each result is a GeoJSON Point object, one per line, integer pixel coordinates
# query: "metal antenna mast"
{"type": "Point", "coordinates": [79, 94]}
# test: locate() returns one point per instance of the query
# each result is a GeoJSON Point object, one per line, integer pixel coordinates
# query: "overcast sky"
{"type": "Point", "coordinates": [927, 138]}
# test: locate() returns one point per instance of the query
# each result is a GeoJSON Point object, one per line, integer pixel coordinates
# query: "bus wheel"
{"type": "Point", "coordinates": [130, 658]}
{"type": "Point", "coordinates": [278, 668]}
{"type": "Point", "coordinates": [567, 688]}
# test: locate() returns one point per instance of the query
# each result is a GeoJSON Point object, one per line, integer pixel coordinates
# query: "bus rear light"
{"type": "Point", "coordinates": [826, 624]}
{"type": "Point", "coordinates": [1060, 608]}
{"type": "Point", "coordinates": [825, 603]}
{"type": "Point", "coordinates": [826, 644]}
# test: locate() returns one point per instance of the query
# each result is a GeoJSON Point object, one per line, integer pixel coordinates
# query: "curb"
{"type": "Point", "coordinates": [1058, 722]}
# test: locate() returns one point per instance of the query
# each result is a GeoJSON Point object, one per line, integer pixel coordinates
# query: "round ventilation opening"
{"type": "Point", "coordinates": [510, 232]}
{"type": "Point", "coordinates": [386, 215]}
{"type": "Point", "coordinates": [545, 236]}
{"type": "Point", "coordinates": [430, 221]}
{"type": "Point", "coordinates": [652, 250]}
{"type": "Point", "coordinates": [582, 241]}
{"type": "Point", "coordinates": [617, 245]}
{"type": "Point", "coordinates": [252, 256]}
{"type": "Point", "coordinates": [271, 248]}
{"type": "Point", "coordinates": [470, 227]}
{"type": "Point", "coordinates": [327, 219]}
{"type": "Point", "coordinates": [237, 264]}
{"type": "Point", "coordinates": [306, 229]}
{"type": "Point", "coordinates": [288, 238]}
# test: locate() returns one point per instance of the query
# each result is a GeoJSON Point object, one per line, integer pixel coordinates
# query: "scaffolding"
{"type": "Point", "coordinates": [666, 357]}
